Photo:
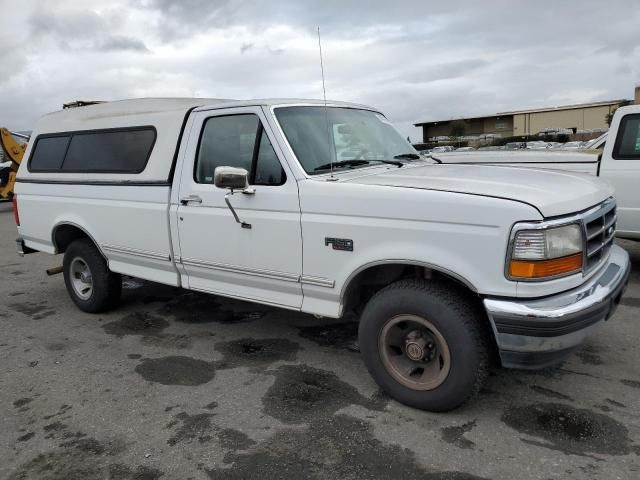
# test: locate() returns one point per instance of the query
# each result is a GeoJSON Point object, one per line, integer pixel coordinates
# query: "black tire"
{"type": "Point", "coordinates": [460, 323]}
{"type": "Point", "coordinates": [106, 286]}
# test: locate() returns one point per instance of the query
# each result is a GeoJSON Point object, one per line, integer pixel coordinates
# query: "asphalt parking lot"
{"type": "Point", "coordinates": [177, 385]}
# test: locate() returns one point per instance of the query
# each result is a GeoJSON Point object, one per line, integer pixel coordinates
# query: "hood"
{"type": "Point", "coordinates": [552, 192]}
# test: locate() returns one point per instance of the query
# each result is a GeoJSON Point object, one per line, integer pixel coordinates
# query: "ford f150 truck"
{"type": "Point", "coordinates": [325, 209]}
{"type": "Point", "coordinates": [618, 164]}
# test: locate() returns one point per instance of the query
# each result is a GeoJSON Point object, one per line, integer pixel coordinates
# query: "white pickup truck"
{"type": "Point", "coordinates": [324, 209]}
{"type": "Point", "coordinates": [618, 164]}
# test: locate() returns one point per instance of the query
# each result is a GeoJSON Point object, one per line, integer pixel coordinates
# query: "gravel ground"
{"type": "Point", "coordinates": [177, 385]}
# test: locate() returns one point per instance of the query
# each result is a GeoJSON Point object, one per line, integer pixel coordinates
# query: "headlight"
{"type": "Point", "coordinates": [544, 253]}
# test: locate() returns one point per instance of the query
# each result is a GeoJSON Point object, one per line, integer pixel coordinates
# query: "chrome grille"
{"type": "Point", "coordinates": [600, 228]}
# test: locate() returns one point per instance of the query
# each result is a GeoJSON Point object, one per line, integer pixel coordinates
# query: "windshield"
{"type": "Point", "coordinates": [320, 136]}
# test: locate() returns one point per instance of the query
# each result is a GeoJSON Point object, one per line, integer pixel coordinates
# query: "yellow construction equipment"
{"type": "Point", "coordinates": [14, 151]}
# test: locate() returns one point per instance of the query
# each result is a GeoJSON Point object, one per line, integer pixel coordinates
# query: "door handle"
{"type": "Point", "coordinates": [190, 199]}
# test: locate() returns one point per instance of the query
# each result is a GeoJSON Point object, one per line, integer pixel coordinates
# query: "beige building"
{"type": "Point", "coordinates": [581, 117]}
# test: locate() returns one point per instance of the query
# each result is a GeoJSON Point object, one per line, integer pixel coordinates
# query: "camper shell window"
{"type": "Point", "coordinates": [123, 150]}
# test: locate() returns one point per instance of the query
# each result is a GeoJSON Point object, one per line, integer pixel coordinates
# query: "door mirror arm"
{"type": "Point", "coordinates": [233, 179]}
{"type": "Point", "coordinates": [235, 215]}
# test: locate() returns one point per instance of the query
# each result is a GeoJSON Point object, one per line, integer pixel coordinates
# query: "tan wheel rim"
{"type": "Point", "coordinates": [414, 352]}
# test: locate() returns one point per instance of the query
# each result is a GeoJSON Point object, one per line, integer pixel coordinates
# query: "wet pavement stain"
{"type": "Point", "coordinates": [54, 428]}
{"type": "Point", "coordinates": [231, 439]}
{"type": "Point", "coordinates": [35, 310]}
{"type": "Point", "coordinates": [78, 465]}
{"type": "Point", "coordinates": [547, 392]}
{"type": "Point", "coordinates": [589, 355]}
{"type": "Point", "coordinates": [26, 437]}
{"type": "Point", "coordinates": [630, 383]}
{"type": "Point", "coordinates": [192, 427]}
{"type": "Point", "coordinates": [55, 346]}
{"type": "Point", "coordinates": [168, 340]}
{"type": "Point", "coordinates": [250, 352]}
{"type": "Point", "coordinates": [193, 307]}
{"type": "Point", "coordinates": [59, 465]}
{"type": "Point", "coordinates": [63, 409]}
{"type": "Point", "coordinates": [137, 323]}
{"type": "Point", "coordinates": [176, 370]}
{"type": "Point", "coordinates": [21, 402]}
{"type": "Point", "coordinates": [630, 302]}
{"type": "Point", "coordinates": [300, 393]}
{"type": "Point", "coordinates": [338, 335]}
{"type": "Point", "coordinates": [335, 447]}
{"type": "Point", "coordinates": [615, 403]}
{"type": "Point", "coordinates": [80, 457]}
{"type": "Point", "coordinates": [87, 445]}
{"type": "Point", "coordinates": [455, 435]}
{"type": "Point", "coordinates": [120, 471]}
{"type": "Point", "coordinates": [569, 430]}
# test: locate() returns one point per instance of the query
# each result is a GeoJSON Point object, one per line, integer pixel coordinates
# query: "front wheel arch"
{"type": "Point", "coordinates": [370, 278]}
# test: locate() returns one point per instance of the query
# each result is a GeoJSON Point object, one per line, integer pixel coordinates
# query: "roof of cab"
{"type": "Point", "coordinates": [150, 111]}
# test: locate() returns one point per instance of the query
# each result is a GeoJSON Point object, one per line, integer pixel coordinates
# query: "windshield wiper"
{"type": "Point", "coordinates": [409, 156]}
{"type": "Point", "coordinates": [354, 163]}
{"type": "Point", "coordinates": [343, 163]}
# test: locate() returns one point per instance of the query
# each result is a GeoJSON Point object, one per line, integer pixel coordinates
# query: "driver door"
{"type": "Point", "coordinates": [217, 255]}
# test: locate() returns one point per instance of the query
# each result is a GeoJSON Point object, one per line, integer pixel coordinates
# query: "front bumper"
{"type": "Point", "coordinates": [541, 332]}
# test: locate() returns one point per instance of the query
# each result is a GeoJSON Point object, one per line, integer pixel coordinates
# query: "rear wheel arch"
{"type": "Point", "coordinates": [65, 233]}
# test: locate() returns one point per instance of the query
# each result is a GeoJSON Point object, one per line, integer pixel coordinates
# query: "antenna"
{"type": "Point", "coordinates": [324, 96]}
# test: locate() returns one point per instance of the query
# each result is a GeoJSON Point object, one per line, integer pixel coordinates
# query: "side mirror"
{"type": "Point", "coordinates": [231, 178]}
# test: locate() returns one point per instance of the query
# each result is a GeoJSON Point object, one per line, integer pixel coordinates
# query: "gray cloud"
{"type": "Point", "coordinates": [82, 29]}
{"type": "Point", "coordinates": [415, 60]}
{"type": "Point", "coordinates": [121, 42]}
{"type": "Point", "coordinates": [246, 47]}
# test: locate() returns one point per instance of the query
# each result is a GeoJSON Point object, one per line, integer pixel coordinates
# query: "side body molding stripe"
{"type": "Point", "coordinates": [283, 276]}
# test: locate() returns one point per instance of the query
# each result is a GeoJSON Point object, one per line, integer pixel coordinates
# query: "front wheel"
{"type": "Point", "coordinates": [90, 283]}
{"type": "Point", "coordinates": [425, 344]}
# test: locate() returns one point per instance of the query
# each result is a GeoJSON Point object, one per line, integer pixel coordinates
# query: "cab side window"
{"type": "Point", "coordinates": [237, 141]}
{"type": "Point", "coordinates": [627, 146]}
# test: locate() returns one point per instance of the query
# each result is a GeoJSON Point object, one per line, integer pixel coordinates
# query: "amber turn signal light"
{"type": "Point", "coordinates": [545, 268]}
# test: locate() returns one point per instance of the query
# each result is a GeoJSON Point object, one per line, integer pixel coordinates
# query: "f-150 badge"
{"type": "Point", "coordinates": [345, 244]}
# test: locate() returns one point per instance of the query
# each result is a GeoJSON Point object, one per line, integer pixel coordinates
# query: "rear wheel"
{"type": "Point", "coordinates": [90, 283]}
{"type": "Point", "coordinates": [425, 344]}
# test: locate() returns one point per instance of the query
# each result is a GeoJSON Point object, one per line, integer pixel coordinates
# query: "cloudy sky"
{"type": "Point", "coordinates": [416, 60]}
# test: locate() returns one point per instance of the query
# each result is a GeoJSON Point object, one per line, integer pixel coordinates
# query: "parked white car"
{"type": "Point", "coordinates": [247, 199]}
{"type": "Point", "coordinates": [617, 162]}
{"type": "Point", "coordinates": [577, 145]}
